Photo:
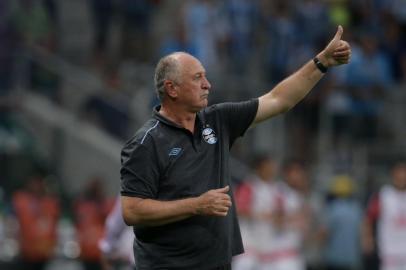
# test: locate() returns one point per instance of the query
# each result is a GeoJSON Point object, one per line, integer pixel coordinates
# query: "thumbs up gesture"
{"type": "Point", "coordinates": [337, 52]}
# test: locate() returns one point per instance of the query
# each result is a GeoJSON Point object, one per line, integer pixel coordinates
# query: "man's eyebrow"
{"type": "Point", "coordinates": [201, 72]}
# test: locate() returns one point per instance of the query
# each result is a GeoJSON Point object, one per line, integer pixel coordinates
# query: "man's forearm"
{"type": "Point", "coordinates": [289, 92]}
{"type": "Point", "coordinates": [295, 87]}
{"type": "Point", "coordinates": [150, 212]}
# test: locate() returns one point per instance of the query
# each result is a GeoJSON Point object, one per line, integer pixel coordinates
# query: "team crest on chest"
{"type": "Point", "coordinates": [209, 135]}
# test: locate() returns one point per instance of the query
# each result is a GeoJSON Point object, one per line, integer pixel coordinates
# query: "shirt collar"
{"type": "Point", "coordinates": [163, 119]}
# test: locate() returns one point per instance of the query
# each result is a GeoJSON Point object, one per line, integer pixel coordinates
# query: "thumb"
{"type": "Point", "coordinates": [339, 33]}
{"type": "Point", "coordinates": [223, 190]}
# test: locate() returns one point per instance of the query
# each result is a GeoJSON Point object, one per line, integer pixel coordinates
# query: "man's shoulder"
{"type": "Point", "coordinates": [224, 106]}
{"type": "Point", "coordinates": [143, 134]}
{"type": "Point", "coordinates": [210, 109]}
{"type": "Point", "coordinates": [215, 108]}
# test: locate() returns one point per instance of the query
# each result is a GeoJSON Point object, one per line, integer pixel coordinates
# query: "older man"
{"type": "Point", "coordinates": [175, 173]}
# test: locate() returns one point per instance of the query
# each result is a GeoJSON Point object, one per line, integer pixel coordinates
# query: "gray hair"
{"type": "Point", "coordinates": [168, 68]}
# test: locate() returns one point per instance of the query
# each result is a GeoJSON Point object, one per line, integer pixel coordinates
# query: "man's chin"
{"type": "Point", "coordinates": [201, 106]}
{"type": "Point", "coordinates": [205, 103]}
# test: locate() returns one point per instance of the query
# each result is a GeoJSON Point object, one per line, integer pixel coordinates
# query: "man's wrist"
{"type": "Point", "coordinates": [194, 204]}
{"type": "Point", "coordinates": [323, 59]}
{"type": "Point", "coordinates": [321, 63]}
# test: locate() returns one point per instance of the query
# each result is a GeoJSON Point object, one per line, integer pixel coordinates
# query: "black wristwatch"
{"type": "Point", "coordinates": [319, 65]}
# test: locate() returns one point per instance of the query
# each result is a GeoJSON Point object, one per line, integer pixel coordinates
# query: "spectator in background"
{"type": "Point", "coordinates": [370, 66]}
{"type": "Point", "coordinates": [343, 216]}
{"type": "Point", "coordinates": [201, 31]}
{"type": "Point", "coordinates": [297, 213]}
{"type": "Point", "coordinates": [135, 39]}
{"type": "Point", "coordinates": [368, 76]}
{"type": "Point", "coordinates": [37, 211]}
{"type": "Point", "coordinates": [338, 105]}
{"type": "Point", "coordinates": [385, 223]}
{"type": "Point", "coordinates": [398, 9]}
{"type": "Point", "coordinates": [308, 221]}
{"type": "Point", "coordinates": [102, 15]}
{"type": "Point", "coordinates": [242, 18]}
{"type": "Point", "coordinates": [254, 198]}
{"type": "Point", "coordinates": [91, 210]}
{"type": "Point", "coordinates": [366, 15]}
{"type": "Point", "coordinates": [394, 46]}
{"type": "Point", "coordinates": [117, 244]}
{"type": "Point", "coordinates": [35, 28]}
{"type": "Point", "coordinates": [175, 42]}
{"type": "Point", "coordinates": [273, 219]}
{"type": "Point", "coordinates": [109, 108]}
{"type": "Point", "coordinates": [308, 15]}
{"type": "Point", "coordinates": [281, 35]}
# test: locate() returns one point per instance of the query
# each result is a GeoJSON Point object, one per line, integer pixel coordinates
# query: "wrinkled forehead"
{"type": "Point", "coordinates": [189, 64]}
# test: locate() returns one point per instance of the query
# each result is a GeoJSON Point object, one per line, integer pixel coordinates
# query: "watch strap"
{"type": "Point", "coordinates": [319, 65]}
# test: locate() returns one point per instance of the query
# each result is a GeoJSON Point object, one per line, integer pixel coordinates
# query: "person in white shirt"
{"type": "Point", "coordinates": [117, 243]}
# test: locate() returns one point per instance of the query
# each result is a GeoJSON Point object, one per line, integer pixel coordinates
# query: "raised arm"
{"type": "Point", "coordinates": [294, 88]}
{"type": "Point", "coordinates": [148, 212]}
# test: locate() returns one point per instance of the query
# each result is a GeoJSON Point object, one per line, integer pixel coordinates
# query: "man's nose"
{"type": "Point", "coordinates": [206, 84]}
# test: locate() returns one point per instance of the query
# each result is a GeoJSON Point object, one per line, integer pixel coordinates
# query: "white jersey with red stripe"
{"type": "Point", "coordinates": [267, 240]}
{"type": "Point", "coordinates": [392, 225]}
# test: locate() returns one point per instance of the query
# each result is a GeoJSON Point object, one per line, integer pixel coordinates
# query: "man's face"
{"type": "Point", "coordinates": [193, 86]}
{"type": "Point", "coordinates": [266, 170]}
{"type": "Point", "coordinates": [297, 178]}
{"type": "Point", "coordinates": [399, 176]}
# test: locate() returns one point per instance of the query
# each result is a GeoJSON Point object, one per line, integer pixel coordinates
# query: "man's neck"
{"type": "Point", "coordinates": [181, 117]}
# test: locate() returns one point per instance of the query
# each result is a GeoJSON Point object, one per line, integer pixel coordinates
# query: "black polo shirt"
{"type": "Point", "coordinates": [164, 161]}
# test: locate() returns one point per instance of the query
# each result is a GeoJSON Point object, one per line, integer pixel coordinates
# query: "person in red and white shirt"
{"type": "Point", "coordinates": [387, 211]}
{"type": "Point", "coordinates": [117, 244]}
{"type": "Point", "coordinates": [268, 212]}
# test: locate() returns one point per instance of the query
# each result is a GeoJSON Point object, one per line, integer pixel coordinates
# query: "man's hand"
{"type": "Point", "coordinates": [294, 88]}
{"type": "Point", "coordinates": [215, 202]}
{"type": "Point", "coordinates": [337, 52]}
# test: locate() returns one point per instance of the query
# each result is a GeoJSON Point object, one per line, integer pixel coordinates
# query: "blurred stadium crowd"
{"type": "Point", "coordinates": [76, 80]}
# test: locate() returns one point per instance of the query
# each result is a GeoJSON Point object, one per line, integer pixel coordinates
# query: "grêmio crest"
{"type": "Point", "coordinates": [209, 135]}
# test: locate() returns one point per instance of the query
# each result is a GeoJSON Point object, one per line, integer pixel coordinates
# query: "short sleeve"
{"type": "Point", "coordinates": [139, 171]}
{"type": "Point", "coordinates": [238, 116]}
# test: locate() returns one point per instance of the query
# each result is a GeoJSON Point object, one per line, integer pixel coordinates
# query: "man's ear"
{"type": "Point", "coordinates": [171, 89]}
